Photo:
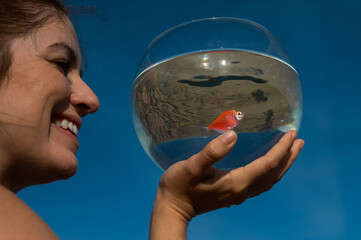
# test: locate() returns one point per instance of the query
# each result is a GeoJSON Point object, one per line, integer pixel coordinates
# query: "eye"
{"type": "Point", "coordinates": [239, 116]}
{"type": "Point", "coordinates": [63, 65]}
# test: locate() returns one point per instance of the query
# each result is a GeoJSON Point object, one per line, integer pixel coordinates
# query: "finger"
{"type": "Point", "coordinates": [213, 152]}
{"type": "Point", "coordinates": [266, 182]}
{"type": "Point", "coordinates": [282, 148]}
{"type": "Point", "coordinates": [263, 165]}
{"type": "Point", "coordinates": [294, 152]}
{"type": "Point", "coordinates": [283, 165]}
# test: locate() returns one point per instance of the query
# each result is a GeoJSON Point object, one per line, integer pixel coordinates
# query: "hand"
{"type": "Point", "coordinates": [193, 186]}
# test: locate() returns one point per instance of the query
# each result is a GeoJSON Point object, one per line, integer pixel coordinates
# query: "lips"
{"type": "Point", "coordinates": [67, 122]}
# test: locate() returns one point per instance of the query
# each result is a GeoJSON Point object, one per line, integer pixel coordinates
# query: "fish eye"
{"type": "Point", "coordinates": [239, 116]}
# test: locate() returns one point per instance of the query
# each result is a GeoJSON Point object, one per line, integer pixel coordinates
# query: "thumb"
{"type": "Point", "coordinates": [213, 152]}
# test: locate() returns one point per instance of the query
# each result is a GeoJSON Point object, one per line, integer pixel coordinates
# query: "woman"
{"type": "Point", "coordinates": [42, 100]}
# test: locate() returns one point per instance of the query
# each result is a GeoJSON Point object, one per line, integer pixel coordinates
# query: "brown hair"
{"type": "Point", "coordinates": [19, 18]}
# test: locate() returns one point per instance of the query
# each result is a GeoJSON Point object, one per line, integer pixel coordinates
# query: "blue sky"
{"type": "Point", "coordinates": [111, 195]}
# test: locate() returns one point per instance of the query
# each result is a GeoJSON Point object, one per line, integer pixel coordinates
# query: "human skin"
{"type": "Point", "coordinates": [44, 85]}
{"type": "Point", "coordinates": [192, 187]}
{"type": "Point", "coordinates": [186, 189]}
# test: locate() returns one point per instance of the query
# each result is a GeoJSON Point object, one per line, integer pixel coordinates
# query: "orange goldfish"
{"type": "Point", "coordinates": [226, 121]}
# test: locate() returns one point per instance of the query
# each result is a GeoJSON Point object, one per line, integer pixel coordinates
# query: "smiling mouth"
{"type": "Point", "coordinates": [67, 125]}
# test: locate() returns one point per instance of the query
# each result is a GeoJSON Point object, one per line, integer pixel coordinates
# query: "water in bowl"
{"type": "Point", "coordinates": [174, 101]}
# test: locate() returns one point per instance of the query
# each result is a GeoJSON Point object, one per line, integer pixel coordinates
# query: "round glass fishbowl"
{"type": "Point", "coordinates": [204, 77]}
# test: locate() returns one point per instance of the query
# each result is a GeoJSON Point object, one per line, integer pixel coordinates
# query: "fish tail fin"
{"type": "Point", "coordinates": [210, 131]}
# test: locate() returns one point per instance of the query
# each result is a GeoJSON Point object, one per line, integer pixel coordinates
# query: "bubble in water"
{"type": "Point", "coordinates": [194, 75]}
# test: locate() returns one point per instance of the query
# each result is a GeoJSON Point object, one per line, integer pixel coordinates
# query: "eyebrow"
{"type": "Point", "coordinates": [70, 53]}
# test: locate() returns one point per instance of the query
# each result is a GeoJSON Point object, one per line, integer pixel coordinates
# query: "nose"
{"type": "Point", "coordinates": [83, 98]}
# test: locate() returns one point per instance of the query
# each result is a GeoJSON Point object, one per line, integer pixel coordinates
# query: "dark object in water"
{"type": "Point", "coordinates": [216, 81]}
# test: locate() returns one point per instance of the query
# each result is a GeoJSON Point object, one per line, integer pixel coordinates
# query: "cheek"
{"type": "Point", "coordinates": [49, 93]}
{"type": "Point", "coordinates": [30, 102]}
{"type": "Point", "coordinates": [52, 86]}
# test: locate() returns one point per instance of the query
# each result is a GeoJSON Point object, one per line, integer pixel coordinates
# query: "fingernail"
{"type": "Point", "coordinates": [301, 145]}
{"type": "Point", "coordinates": [294, 135]}
{"type": "Point", "coordinates": [228, 137]}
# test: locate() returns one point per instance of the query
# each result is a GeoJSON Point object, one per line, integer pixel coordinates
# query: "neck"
{"type": "Point", "coordinates": [14, 177]}
{"type": "Point", "coordinates": [7, 182]}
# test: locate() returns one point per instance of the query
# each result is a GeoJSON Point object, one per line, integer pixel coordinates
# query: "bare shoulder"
{"type": "Point", "coordinates": [19, 221]}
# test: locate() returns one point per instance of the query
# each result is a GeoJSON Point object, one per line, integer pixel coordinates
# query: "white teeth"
{"type": "Point", "coordinates": [75, 130]}
{"type": "Point", "coordinates": [66, 124]}
{"type": "Point", "coordinates": [70, 126]}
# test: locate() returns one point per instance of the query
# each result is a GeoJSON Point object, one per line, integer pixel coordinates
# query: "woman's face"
{"type": "Point", "coordinates": [41, 104]}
